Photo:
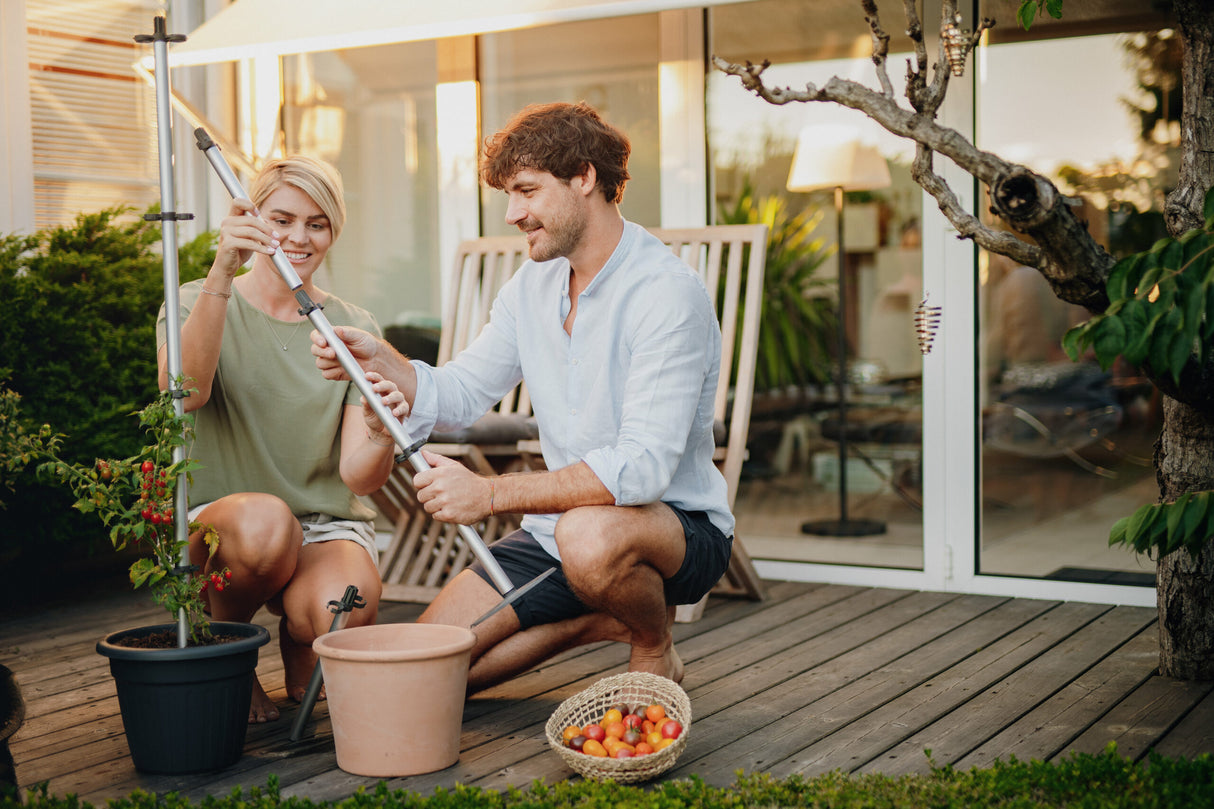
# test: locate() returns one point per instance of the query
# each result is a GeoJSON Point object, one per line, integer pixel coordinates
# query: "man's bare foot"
{"type": "Point", "coordinates": [262, 708]}
{"type": "Point", "coordinates": [298, 661]}
{"type": "Point", "coordinates": [667, 664]}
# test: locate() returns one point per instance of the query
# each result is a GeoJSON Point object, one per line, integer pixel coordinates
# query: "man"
{"type": "Point", "coordinates": [619, 345]}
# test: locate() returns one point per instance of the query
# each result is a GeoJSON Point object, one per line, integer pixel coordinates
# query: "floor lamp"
{"type": "Point", "coordinates": [833, 157]}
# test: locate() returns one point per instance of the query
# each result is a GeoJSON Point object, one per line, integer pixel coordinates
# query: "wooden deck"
{"type": "Point", "coordinates": [818, 677]}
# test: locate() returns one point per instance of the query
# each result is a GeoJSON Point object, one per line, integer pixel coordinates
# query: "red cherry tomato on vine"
{"type": "Point", "coordinates": [147, 466]}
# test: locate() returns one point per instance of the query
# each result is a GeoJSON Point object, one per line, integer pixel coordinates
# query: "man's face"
{"type": "Point", "coordinates": [549, 211]}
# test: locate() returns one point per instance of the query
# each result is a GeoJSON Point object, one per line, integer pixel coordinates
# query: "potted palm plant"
{"type": "Point", "coordinates": [169, 675]}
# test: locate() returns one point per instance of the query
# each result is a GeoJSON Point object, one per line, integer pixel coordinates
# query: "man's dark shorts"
{"type": "Point", "coordinates": [522, 559]}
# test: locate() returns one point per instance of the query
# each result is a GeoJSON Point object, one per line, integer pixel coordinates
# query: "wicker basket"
{"type": "Point", "coordinates": [588, 706]}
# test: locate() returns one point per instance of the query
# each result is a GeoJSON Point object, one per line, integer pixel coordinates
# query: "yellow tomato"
{"type": "Point", "coordinates": [593, 748]}
{"type": "Point", "coordinates": [661, 745]}
{"type": "Point", "coordinates": [654, 738]}
{"type": "Point", "coordinates": [570, 732]}
{"type": "Point", "coordinates": [612, 715]}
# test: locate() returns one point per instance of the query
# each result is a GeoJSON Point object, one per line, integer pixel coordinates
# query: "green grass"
{"type": "Point", "coordinates": [1105, 781]}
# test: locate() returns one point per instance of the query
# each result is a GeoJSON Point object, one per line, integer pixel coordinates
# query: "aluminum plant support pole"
{"type": "Point", "coordinates": [168, 227]}
{"type": "Point", "coordinates": [411, 448]}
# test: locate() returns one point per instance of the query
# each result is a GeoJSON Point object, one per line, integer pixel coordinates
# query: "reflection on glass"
{"type": "Point", "coordinates": [610, 64]}
{"type": "Point", "coordinates": [792, 474]}
{"type": "Point", "coordinates": [371, 112]}
{"type": "Point", "coordinates": [1066, 446]}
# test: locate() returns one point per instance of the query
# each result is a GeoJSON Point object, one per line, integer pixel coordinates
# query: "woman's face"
{"type": "Point", "coordinates": [304, 231]}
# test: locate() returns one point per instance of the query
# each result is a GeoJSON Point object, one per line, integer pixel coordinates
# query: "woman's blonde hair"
{"type": "Point", "coordinates": [316, 178]}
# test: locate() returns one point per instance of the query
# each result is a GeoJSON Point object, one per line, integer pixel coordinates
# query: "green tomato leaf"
{"type": "Point", "coordinates": [1117, 532]}
{"type": "Point", "coordinates": [1208, 207]}
{"type": "Point", "coordinates": [1054, 7]}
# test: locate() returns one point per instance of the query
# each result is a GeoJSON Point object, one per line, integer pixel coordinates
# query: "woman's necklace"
{"type": "Point", "coordinates": [278, 339]}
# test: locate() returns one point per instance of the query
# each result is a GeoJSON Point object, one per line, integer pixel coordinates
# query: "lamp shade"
{"type": "Point", "coordinates": [832, 156]}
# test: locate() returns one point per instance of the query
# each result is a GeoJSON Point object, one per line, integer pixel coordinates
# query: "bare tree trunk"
{"type": "Point", "coordinates": [1184, 458]}
{"type": "Point", "coordinates": [1184, 453]}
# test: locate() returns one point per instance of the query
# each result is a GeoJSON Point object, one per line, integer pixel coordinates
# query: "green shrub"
{"type": "Point", "coordinates": [77, 344]}
{"type": "Point", "coordinates": [1105, 781]}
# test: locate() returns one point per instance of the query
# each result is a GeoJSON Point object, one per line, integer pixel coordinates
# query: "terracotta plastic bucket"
{"type": "Point", "coordinates": [396, 695]}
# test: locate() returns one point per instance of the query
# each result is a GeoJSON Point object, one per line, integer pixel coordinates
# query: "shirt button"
{"type": "Point", "coordinates": [573, 411]}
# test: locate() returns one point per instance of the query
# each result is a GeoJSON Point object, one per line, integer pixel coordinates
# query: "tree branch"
{"type": "Point", "coordinates": [1071, 260]}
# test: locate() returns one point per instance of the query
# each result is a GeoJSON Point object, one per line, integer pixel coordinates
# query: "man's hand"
{"type": "Point", "coordinates": [451, 492]}
{"type": "Point", "coordinates": [363, 346]}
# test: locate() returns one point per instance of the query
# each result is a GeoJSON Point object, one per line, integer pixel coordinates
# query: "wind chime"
{"type": "Point", "coordinates": [955, 43]}
{"type": "Point", "coordinates": [927, 321]}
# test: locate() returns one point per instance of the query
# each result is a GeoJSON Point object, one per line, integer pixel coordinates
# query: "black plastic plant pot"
{"type": "Point", "coordinates": [185, 710]}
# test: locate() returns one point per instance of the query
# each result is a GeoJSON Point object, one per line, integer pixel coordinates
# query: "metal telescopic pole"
{"type": "Point", "coordinates": [168, 226]}
{"type": "Point", "coordinates": [410, 446]}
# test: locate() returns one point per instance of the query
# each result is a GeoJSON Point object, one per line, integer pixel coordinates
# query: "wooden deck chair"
{"type": "Point", "coordinates": [423, 554]}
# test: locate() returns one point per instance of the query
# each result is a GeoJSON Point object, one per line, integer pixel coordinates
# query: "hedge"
{"type": "Point", "coordinates": [1104, 781]}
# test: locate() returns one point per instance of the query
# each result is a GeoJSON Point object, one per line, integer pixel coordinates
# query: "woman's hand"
{"type": "Point", "coordinates": [392, 399]}
{"type": "Point", "coordinates": [241, 234]}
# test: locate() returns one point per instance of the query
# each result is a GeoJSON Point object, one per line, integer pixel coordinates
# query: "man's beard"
{"type": "Point", "coordinates": [560, 237]}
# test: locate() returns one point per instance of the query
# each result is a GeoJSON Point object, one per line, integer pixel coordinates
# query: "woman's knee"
{"type": "Point", "coordinates": [257, 532]}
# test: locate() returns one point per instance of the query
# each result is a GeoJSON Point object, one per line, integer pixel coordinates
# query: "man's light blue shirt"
{"type": "Point", "coordinates": [630, 391]}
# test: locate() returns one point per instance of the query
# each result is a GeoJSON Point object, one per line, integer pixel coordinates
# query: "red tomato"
{"type": "Point", "coordinates": [623, 752]}
{"type": "Point", "coordinates": [594, 733]}
{"type": "Point", "coordinates": [633, 721]}
{"type": "Point", "coordinates": [671, 729]}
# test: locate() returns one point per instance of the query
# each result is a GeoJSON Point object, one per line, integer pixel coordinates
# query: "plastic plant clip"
{"type": "Point", "coordinates": [927, 322]}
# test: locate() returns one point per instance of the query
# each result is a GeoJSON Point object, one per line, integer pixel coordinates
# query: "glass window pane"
{"type": "Point", "coordinates": [792, 479]}
{"type": "Point", "coordinates": [1066, 446]}
{"type": "Point", "coordinates": [371, 112]}
{"type": "Point", "coordinates": [610, 64]}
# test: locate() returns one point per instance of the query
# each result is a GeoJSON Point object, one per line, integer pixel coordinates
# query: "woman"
{"type": "Point", "coordinates": [284, 452]}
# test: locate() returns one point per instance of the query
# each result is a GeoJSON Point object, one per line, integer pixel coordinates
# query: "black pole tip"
{"type": "Point", "coordinates": [203, 139]}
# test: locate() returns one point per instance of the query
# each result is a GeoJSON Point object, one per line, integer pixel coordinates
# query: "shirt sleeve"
{"type": "Point", "coordinates": [468, 385]}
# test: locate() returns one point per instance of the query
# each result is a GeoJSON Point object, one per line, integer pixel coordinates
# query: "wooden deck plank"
{"type": "Point", "coordinates": [979, 621]}
{"type": "Point", "coordinates": [815, 677]}
{"type": "Point", "coordinates": [1193, 735]}
{"type": "Point", "coordinates": [1143, 717]}
{"type": "Point", "coordinates": [864, 740]}
{"type": "Point", "coordinates": [953, 736]}
{"type": "Point", "coordinates": [1046, 730]}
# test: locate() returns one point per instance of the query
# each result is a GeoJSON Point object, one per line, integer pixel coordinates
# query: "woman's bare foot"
{"type": "Point", "coordinates": [298, 661]}
{"type": "Point", "coordinates": [262, 708]}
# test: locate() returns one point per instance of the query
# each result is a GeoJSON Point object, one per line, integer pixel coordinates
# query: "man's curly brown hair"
{"type": "Point", "coordinates": [561, 139]}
